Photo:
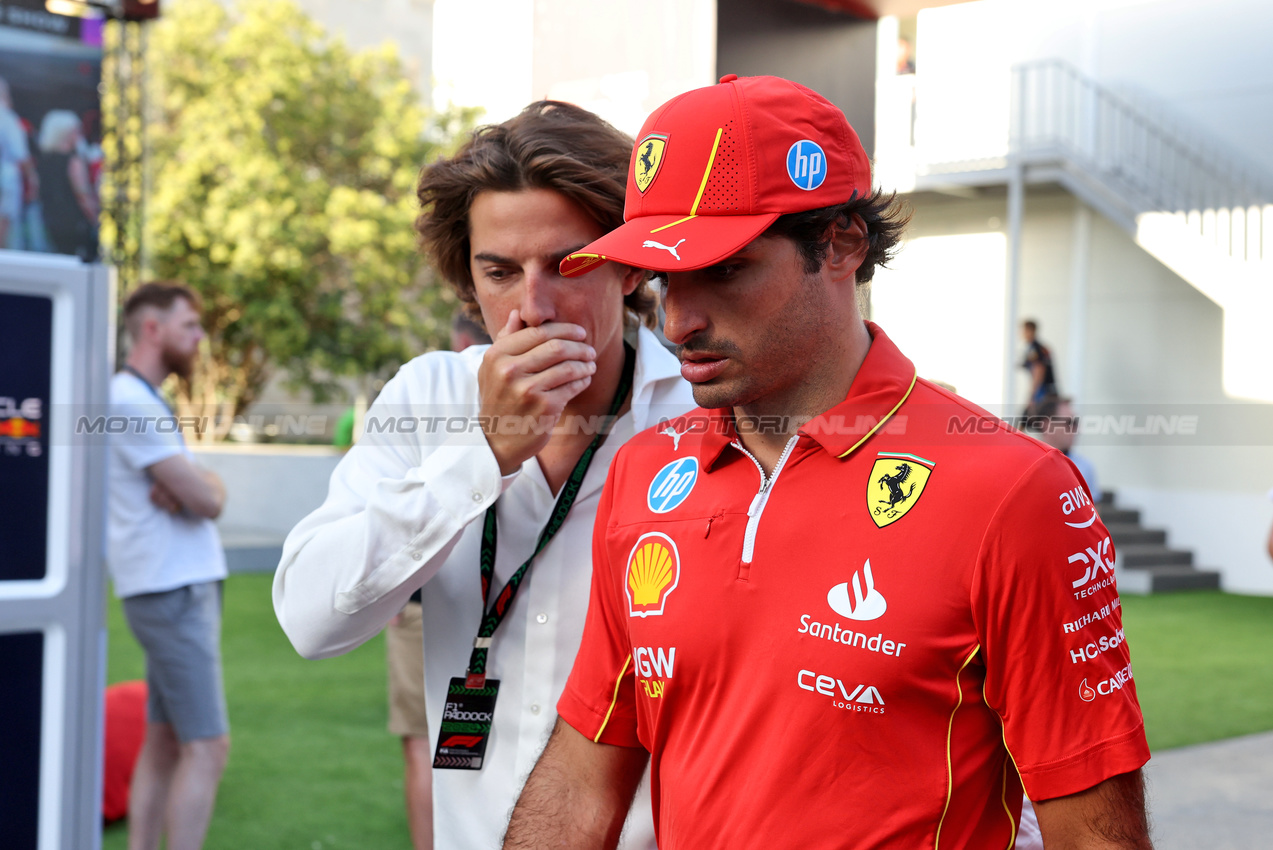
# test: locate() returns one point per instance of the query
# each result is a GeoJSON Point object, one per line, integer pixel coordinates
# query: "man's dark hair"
{"type": "Point", "coordinates": [549, 145]}
{"type": "Point", "coordinates": [160, 294]}
{"type": "Point", "coordinates": [885, 217]}
{"type": "Point", "coordinates": [1031, 324]}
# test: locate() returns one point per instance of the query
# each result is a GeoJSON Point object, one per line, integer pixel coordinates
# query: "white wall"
{"type": "Point", "coordinates": [268, 488]}
{"type": "Point", "coordinates": [620, 58]}
{"type": "Point", "coordinates": [1204, 63]}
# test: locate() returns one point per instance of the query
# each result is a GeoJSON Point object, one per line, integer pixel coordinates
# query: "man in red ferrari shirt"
{"type": "Point", "coordinates": [837, 605]}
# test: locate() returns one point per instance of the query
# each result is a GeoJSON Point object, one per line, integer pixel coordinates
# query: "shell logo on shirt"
{"type": "Point", "coordinates": [654, 570]}
{"type": "Point", "coordinates": [896, 482]}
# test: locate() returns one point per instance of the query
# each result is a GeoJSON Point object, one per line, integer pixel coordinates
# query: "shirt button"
{"type": "Point", "coordinates": [415, 556]}
{"type": "Point", "coordinates": [534, 709]}
{"type": "Point", "coordinates": [477, 495]}
{"type": "Point", "coordinates": [541, 618]}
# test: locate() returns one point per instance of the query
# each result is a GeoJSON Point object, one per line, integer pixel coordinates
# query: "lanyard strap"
{"type": "Point", "coordinates": [492, 618]}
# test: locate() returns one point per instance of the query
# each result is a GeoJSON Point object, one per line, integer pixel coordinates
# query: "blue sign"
{"type": "Point", "coordinates": [672, 485]}
{"type": "Point", "coordinates": [807, 164]}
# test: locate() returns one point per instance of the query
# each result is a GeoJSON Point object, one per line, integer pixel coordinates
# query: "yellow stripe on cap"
{"type": "Point", "coordinates": [702, 186]}
{"type": "Point", "coordinates": [708, 173]}
{"type": "Point", "coordinates": [673, 224]}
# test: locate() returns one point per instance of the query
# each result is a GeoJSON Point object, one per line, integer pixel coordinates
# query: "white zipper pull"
{"type": "Point", "coordinates": [755, 502]}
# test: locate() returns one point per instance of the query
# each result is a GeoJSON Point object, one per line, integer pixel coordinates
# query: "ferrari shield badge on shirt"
{"type": "Point", "coordinates": [897, 481]}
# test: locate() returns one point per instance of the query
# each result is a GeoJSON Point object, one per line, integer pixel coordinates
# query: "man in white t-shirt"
{"type": "Point", "coordinates": [167, 565]}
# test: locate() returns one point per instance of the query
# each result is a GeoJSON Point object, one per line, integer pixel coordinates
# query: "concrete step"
{"type": "Point", "coordinates": [1119, 516]}
{"type": "Point", "coordinates": [1143, 555]}
{"type": "Point", "coordinates": [1129, 534]}
{"type": "Point", "coordinates": [1165, 579]}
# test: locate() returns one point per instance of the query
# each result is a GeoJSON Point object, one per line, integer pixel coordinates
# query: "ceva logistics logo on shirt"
{"type": "Point", "coordinates": [672, 485]}
{"type": "Point", "coordinates": [654, 571]}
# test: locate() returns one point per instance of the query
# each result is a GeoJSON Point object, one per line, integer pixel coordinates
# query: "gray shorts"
{"type": "Point", "coordinates": [180, 631]}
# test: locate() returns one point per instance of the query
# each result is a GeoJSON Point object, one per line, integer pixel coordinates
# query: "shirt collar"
{"type": "Point", "coordinates": [654, 364]}
{"type": "Point", "coordinates": [882, 384]}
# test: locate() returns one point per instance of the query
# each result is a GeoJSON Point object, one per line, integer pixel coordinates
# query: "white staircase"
{"type": "Point", "coordinates": [1189, 203]}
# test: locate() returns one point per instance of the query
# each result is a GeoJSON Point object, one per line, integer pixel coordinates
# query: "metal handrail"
{"type": "Point", "coordinates": [1058, 111]}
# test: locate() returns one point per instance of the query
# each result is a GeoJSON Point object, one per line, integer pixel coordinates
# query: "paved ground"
{"type": "Point", "coordinates": [1213, 796]}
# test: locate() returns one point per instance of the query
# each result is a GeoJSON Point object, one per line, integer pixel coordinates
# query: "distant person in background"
{"type": "Point", "coordinates": [19, 182]}
{"type": "Point", "coordinates": [404, 642]}
{"type": "Point", "coordinates": [1270, 544]}
{"type": "Point", "coordinates": [1053, 421]}
{"type": "Point", "coordinates": [905, 57]}
{"type": "Point", "coordinates": [167, 564]}
{"type": "Point", "coordinates": [1038, 362]}
{"type": "Point", "coordinates": [69, 197]}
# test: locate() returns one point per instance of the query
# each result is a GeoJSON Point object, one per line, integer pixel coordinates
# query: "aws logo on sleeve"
{"type": "Point", "coordinates": [654, 570]}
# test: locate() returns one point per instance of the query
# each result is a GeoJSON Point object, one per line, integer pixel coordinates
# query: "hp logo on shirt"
{"type": "Point", "coordinates": [806, 164]}
{"type": "Point", "coordinates": [672, 485]}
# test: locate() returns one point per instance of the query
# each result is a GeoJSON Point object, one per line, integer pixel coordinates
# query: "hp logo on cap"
{"type": "Point", "coordinates": [807, 164]}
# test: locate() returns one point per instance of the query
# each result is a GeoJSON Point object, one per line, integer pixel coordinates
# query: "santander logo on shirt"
{"type": "Point", "coordinates": [865, 602]}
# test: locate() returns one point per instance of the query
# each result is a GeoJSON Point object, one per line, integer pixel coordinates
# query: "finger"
{"type": "Point", "coordinates": [552, 353]}
{"type": "Point", "coordinates": [556, 376]}
{"type": "Point", "coordinates": [527, 338]}
{"type": "Point", "coordinates": [512, 325]}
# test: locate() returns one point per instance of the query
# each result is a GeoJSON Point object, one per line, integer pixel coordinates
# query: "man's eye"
{"type": "Point", "coordinates": [723, 271]}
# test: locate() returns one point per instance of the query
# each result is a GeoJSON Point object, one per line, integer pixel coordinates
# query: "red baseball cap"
{"type": "Point", "coordinates": [714, 167]}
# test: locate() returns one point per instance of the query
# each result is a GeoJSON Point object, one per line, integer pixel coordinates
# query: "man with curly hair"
{"type": "Point", "coordinates": [479, 473]}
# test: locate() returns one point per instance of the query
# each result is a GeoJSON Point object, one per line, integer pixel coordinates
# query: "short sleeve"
{"type": "Point", "coordinates": [151, 434]}
{"type": "Point", "coordinates": [600, 696]}
{"type": "Point", "coordinates": [1058, 669]}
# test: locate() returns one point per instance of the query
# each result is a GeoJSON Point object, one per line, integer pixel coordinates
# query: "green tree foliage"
{"type": "Point", "coordinates": [282, 179]}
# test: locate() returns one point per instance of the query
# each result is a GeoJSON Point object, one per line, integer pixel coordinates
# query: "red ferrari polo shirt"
{"type": "Point", "coordinates": [874, 646]}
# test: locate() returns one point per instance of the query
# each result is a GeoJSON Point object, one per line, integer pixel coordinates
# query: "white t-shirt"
{"type": "Point", "coordinates": [405, 509]}
{"type": "Point", "coordinates": [149, 550]}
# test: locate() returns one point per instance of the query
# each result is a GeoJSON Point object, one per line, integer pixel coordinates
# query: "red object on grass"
{"type": "Point", "coordinates": [125, 731]}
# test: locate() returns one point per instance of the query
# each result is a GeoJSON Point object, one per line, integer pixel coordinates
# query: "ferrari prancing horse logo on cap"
{"type": "Point", "coordinates": [649, 156]}
{"type": "Point", "coordinates": [896, 483]}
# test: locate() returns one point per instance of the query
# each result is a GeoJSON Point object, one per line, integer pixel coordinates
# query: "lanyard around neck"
{"type": "Point", "coordinates": [492, 618]}
{"type": "Point", "coordinates": [153, 391]}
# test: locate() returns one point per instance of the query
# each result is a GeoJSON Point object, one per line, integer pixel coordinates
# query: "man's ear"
{"type": "Point", "coordinates": [632, 278]}
{"type": "Point", "coordinates": [849, 244]}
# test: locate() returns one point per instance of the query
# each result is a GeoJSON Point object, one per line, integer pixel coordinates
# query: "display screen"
{"type": "Point", "coordinates": [22, 684]}
{"type": "Point", "coordinates": [26, 349]}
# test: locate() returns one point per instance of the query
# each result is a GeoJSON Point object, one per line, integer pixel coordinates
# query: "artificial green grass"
{"type": "Point", "coordinates": [1201, 661]}
{"type": "Point", "coordinates": [312, 766]}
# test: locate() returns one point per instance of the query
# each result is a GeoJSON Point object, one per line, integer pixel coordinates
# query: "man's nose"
{"type": "Point", "coordinates": [684, 317]}
{"type": "Point", "coordinates": [538, 304]}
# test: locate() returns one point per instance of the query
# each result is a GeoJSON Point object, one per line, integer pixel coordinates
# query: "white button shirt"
{"type": "Point", "coordinates": [405, 509]}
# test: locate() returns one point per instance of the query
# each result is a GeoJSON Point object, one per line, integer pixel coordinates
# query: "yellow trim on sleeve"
{"type": "Point", "coordinates": [950, 730]}
{"type": "Point", "coordinates": [613, 700]}
{"type": "Point", "coordinates": [1003, 730]}
{"type": "Point", "coordinates": [879, 424]}
{"type": "Point", "coordinates": [708, 173]}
